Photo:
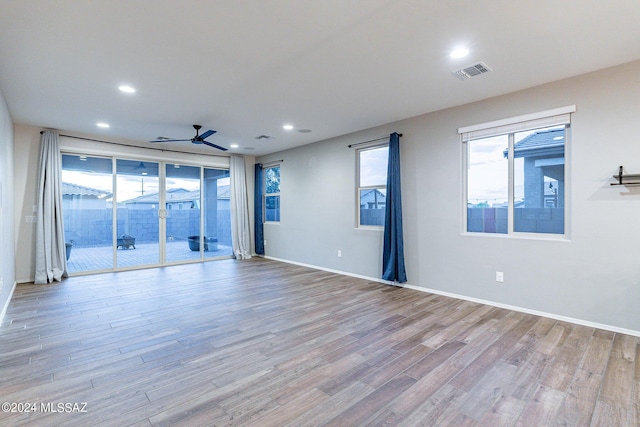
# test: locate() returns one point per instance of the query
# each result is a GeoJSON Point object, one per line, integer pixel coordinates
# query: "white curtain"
{"type": "Point", "coordinates": [51, 261]}
{"type": "Point", "coordinates": [240, 234]}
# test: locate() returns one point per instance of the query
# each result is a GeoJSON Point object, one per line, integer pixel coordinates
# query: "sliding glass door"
{"type": "Point", "coordinates": [216, 214]}
{"type": "Point", "coordinates": [192, 207]}
{"type": "Point", "coordinates": [121, 214]}
{"type": "Point", "coordinates": [87, 207]}
{"type": "Point", "coordinates": [138, 198]}
{"type": "Point", "coordinates": [182, 204]}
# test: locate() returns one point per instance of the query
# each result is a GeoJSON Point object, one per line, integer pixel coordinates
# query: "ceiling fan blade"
{"type": "Point", "coordinates": [214, 146]}
{"type": "Point", "coordinates": [171, 140]}
{"type": "Point", "coordinates": [207, 134]}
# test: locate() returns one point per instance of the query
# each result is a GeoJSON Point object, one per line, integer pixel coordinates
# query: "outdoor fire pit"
{"type": "Point", "coordinates": [125, 242]}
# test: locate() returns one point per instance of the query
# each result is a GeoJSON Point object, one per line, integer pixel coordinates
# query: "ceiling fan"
{"type": "Point", "coordinates": [198, 139]}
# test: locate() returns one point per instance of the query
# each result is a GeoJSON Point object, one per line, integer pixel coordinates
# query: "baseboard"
{"type": "Point", "coordinates": [575, 321]}
{"type": "Point", "coordinates": [6, 304]}
{"type": "Point", "coordinates": [330, 270]}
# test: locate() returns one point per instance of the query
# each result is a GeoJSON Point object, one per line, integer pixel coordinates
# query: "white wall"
{"type": "Point", "coordinates": [594, 277]}
{"type": "Point", "coordinates": [7, 249]}
{"type": "Point", "coordinates": [26, 156]}
{"type": "Point", "coordinates": [318, 209]}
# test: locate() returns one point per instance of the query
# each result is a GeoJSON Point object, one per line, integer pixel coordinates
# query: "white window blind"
{"type": "Point", "coordinates": [542, 119]}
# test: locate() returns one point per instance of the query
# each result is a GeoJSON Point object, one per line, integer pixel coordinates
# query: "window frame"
{"type": "Point", "coordinates": [359, 187]}
{"type": "Point", "coordinates": [265, 194]}
{"type": "Point", "coordinates": [509, 127]}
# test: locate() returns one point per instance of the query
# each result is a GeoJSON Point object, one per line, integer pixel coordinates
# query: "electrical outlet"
{"type": "Point", "coordinates": [499, 276]}
{"type": "Point", "coordinates": [264, 242]}
{"type": "Point", "coordinates": [339, 253]}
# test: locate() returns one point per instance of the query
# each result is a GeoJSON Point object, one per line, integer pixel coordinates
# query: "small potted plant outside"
{"type": "Point", "coordinates": [210, 244]}
{"type": "Point", "coordinates": [68, 247]}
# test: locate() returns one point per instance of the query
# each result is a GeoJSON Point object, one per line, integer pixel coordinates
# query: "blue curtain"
{"type": "Point", "coordinates": [393, 249]}
{"type": "Point", "coordinates": [257, 203]}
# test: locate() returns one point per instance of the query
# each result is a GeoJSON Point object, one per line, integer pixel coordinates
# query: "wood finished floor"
{"type": "Point", "coordinates": [264, 343]}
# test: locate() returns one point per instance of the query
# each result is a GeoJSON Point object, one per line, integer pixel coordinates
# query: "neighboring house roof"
{"type": "Point", "coordinates": [224, 192]}
{"type": "Point", "coordinates": [370, 192]}
{"type": "Point", "coordinates": [540, 143]}
{"type": "Point", "coordinates": [173, 196]}
{"type": "Point", "coordinates": [178, 195]}
{"type": "Point", "coordinates": [372, 195]}
{"type": "Point", "coordinates": [69, 189]}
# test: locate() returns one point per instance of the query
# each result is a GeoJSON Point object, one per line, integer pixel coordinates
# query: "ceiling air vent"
{"type": "Point", "coordinates": [472, 71]}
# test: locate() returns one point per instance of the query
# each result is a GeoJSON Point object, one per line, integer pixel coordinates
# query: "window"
{"type": "Point", "coordinates": [515, 174]}
{"type": "Point", "coordinates": [272, 194]}
{"type": "Point", "coordinates": [372, 185]}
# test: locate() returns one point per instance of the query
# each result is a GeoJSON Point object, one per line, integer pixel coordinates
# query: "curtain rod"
{"type": "Point", "coordinates": [136, 146]}
{"type": "Point", "coordinates": [371, 140]}
{"type": "Point", "coordinates": [273, 162]}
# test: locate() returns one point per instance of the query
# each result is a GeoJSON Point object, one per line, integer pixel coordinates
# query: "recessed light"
{"type": "Point", "coordinates": [234, 145]}
{"type": "Point", "coordinates": [103, 125]}
{"type": "Point", "coordinates": [460, 52]}
{"type": "Point", "coordinates": [126, 89]}
{"type": "Point", "coordinates": [287, 127]}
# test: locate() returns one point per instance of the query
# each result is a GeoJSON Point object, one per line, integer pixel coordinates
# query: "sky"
{"type": "Point", "coordinates": [373, 166]}
{"type": "Point", "coordinates": [488, 171]}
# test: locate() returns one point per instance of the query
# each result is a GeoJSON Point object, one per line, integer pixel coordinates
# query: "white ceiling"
{"type": "Point", "coordinates": [246, 67]}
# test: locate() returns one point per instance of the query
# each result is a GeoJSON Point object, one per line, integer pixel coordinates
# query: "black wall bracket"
{"type": "Point", "coordinates": [626, 179]}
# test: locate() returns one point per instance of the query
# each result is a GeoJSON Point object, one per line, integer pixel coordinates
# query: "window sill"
{"type": "Point", "coordinates": [364, 228]}
{"type": "Point", "coordinates": [521, 236]}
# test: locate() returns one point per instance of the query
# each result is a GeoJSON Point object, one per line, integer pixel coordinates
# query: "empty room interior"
{"type": "Point", "coordinates": [349, 213]}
